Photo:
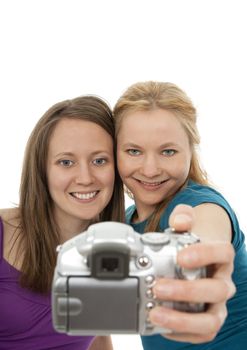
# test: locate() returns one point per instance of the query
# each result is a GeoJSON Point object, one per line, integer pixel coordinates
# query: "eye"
{"type": "Point", "coordinates": [133, 152]}
{"type": "Point", "coordinates": [66, 163]}
{"type": "Point", "coordinates": [169, 152]}
{"type": "Point", "coordinates": [99, 161]}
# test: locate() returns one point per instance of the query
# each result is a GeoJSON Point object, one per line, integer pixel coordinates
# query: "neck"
{"type": "Point", "coordinates": [68, 231]}
{"type": "Point", "coordinates": [69, 227]}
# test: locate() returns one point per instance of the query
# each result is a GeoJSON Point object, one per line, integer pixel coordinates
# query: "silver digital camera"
{"type": "Point", "coordinates": [104, 277]}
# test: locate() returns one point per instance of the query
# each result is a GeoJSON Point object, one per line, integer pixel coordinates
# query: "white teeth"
{"type": "Point", "coordinates": [151, 183]}
{"type": "Point", "coordinates": [84, 195]}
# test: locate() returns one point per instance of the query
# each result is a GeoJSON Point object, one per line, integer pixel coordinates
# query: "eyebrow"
{"type": "Point", "coordinates": [169, 144]}
{"type": "Point", "coordinates": [71, 154]}
{"type": "Point", "coordinates": [64, 154]}
{"type": "Point", "coordinates": [164, 145]}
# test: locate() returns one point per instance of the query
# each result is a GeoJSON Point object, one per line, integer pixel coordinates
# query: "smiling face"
{"type": "Point", "coordinates": [80, 172]}
{"type": "Point", "coordinates": [154, 157]}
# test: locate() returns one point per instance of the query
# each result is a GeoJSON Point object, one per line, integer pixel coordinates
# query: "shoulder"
{"type": "Point", "coordinates": [10, 220]}
{"type": "Point", "coordinates": [9, 212]}
{"type": "Point", "coordinates": [192, 194]}
{"type": "Point", "coordinates": [207, 201]}
{"type": "Point", "coordinates": [195, 194]}
{"type": "Point", "coordinates": [9, 215]}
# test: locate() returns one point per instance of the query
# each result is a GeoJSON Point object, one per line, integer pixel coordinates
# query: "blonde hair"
{"type": "Point", "coordinates": [150, 95]}
{"type": "Point", "coordinates": [38, 230]}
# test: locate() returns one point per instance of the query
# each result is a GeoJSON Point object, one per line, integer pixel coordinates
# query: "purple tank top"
{"type": "Point", "coordinates": [25, 317]}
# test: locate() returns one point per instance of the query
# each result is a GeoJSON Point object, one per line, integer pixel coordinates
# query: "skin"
{"type": "Point", "coordinates": [154, 161]}
{"type": "Point", "coordinates": [101, 343]}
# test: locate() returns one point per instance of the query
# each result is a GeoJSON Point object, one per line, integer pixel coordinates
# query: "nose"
{"type": "Point", "coordinates": [150, 167]}
{"type": "Point", "coordinates": [84, 175]}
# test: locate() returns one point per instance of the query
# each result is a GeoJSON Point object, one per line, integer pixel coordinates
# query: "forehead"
{"type": "Point", "coordinates": [71, 134]}
{"type": "Point", "coordinates": [157, 123]}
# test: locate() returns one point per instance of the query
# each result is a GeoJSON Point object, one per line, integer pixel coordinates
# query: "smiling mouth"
{"type": "Point", "coordinates": [151, 184]}
{"type": "Point", "coordinates": [84, 196]}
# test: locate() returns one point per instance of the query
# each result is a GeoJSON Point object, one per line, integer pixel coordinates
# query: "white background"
{"type": "Point", "coordinates": [57, 49]}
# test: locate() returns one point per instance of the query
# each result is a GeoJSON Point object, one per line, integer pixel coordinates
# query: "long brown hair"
{"type": "Point", "coordinates": [150, 95]}
{"type": "Point", "coordinates": [39, 232]}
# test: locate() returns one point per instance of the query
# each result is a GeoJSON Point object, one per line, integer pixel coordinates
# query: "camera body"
{"type": "Point", "coordinates": [104, 277]}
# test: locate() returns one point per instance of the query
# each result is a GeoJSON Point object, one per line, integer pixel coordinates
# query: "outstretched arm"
{"type": "Point", "coordinates": [215, 249]}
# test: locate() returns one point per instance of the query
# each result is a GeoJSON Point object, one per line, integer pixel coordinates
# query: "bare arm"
{"type": "Point", "coordinates": [209, 221]}
{"type": "Point", "coordinates": [101, 343]}
{"type": "Point", "coordinates": [212, 223]}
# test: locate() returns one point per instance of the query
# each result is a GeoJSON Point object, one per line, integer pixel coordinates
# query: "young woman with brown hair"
{"type": "Point", "coordinates": [69, 180]}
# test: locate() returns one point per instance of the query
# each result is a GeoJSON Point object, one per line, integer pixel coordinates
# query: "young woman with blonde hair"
{"type": "Point", "coordinates": [157, 141]}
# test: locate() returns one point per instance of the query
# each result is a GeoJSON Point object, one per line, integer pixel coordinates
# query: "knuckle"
{"type": "Point", "coordinates": [229, 251]}
{"type": "Point", "coordinates": [225, 290]}
{"type": "Point", "coordinates": [208, 337]}
{"type": "Point", "coordinates": [228, 289]}
{"type": "Point", "coordinates": [233, 291]}
{"type": "Point", "coordinates": [218, 321]}
{"type": "Point", "coordinates": [231, 267]}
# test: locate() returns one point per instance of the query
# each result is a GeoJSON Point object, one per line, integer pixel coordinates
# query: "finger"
{"type": "Point", "coordinates": [204, 254]}
{"type": "Point", "coordinates": [205, 290]}
{"type": "Point", "coordinates": [190, 338]}
{"type": "Point", "coordinates": [218, 313]}
{"type": "Point", "coordinates": [190, 323]}
{"type": "Point", "coordinates": [182, 218]}
{"type": "Point", "coordinates": [220, 255]}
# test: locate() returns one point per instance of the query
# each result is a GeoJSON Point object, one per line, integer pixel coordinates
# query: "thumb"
{"type": "Point", "coordinates": [182, 218]}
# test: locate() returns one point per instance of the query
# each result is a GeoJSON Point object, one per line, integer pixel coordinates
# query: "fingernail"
{"type": "Point", "coordinates": [181, 219]}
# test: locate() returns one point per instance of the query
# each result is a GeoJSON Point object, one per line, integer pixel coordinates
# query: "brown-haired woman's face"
{"type": "Point", "coordinates": [153, 155]}
{"type": "Point", "coordinates": [80, 169]}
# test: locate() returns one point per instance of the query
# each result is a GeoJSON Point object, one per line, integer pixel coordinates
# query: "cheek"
{"type": "Point", "coordinates": [50, 180]}
{"type": "Point", "coordinates": [56, 180]}
{"type": "Point", "coordinates": [108, 178]}
{"type": "Point", "coordinates": [184, 166]}
{"type": "Point", "coordinates": [188, 160]}
{"type": "Point", "coordinates": [180, 167]}
{"type": "Point", "coordinates": [122, 164]}
{"type": "Point", "coordinates": [126, 164]}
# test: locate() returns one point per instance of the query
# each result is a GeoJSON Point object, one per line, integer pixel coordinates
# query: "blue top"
{"type": "Point", "coordinates": [25, 316]}
{"type": "Point", "coordinates": [233, 334]}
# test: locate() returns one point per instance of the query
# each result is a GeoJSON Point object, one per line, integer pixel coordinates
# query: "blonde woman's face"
{"type": "Point", "coordinates": [154, 157]}
{"type": "Point", "coordinates": [80, 170]}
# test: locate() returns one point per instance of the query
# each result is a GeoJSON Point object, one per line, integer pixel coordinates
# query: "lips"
{"type": "Point", "coordinates": [84, 196]}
